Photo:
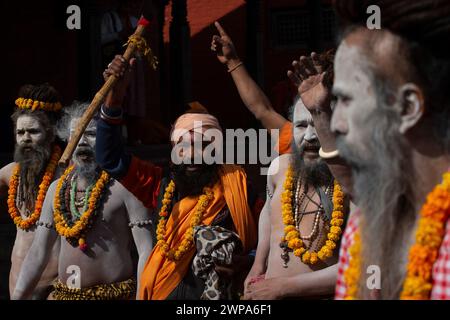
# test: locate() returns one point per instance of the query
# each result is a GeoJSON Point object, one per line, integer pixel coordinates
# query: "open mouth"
{"type": "Point", "coordinates": [311, 149]}
{"type": "Point", "coordinates": [85, 155]}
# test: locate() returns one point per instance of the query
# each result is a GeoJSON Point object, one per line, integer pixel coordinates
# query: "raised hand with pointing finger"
{"type": "Point", "coordinates": [224, 48]}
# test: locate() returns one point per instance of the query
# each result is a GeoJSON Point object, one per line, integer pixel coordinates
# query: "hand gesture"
{"type": "Point", "coordinates": [224, 47]}
{"type": "Point", "coordinates": [313, 81]}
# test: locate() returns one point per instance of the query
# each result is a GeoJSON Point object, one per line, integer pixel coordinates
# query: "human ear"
{"type": "Point", "coordinates": [412, 106]}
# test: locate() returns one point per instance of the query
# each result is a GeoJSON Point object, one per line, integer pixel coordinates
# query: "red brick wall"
{"type": "Point", "coordinates": [212, 85]}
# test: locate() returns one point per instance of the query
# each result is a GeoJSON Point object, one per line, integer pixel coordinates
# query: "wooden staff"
{"type": "Point", "coordinates": [100, 96]}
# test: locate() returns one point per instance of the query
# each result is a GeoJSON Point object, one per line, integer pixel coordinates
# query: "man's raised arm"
{"type": "Point", "coordinates": [140, 177]}
{"type": "Point", "coordinates": [251, 94]}
{"type": "Point", "coordinates": [313, 77]}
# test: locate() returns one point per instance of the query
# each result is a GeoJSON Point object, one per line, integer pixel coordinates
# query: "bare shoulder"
{"type": "Point", "coordinates": [52, 187]}
{"type": "Point", "coordinates": [118, 190]}
{"type": "Point", "coordinates": [135, 208]}
{"type": "Point", "coordinates": [6, 173]}
{"type": "Point", "coordinates": [277, 168]}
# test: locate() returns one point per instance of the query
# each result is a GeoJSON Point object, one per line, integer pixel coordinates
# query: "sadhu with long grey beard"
{"type": "Point", "coordinates": [393, 125]}
{"type": "Point", "coordinates": [27, 179]}
{"type": "Point", "coordinates": [95, 219]}
{"type": "Point", "coordinates": [302, 221]}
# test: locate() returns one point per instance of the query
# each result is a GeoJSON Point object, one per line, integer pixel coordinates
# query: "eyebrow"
{"type": "Point", "coordinates": [305, 122]}
{"type": "Point", "coordinates": [29, 129]}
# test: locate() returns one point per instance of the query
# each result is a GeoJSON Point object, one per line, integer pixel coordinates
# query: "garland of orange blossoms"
{"type": "Point", "coordinates": [26, 224]}
{"type": "Point", "coordinates": [23, 103]}
{"type": "Point", "coordinates": [187, 242]}
{"type": "Point", "coordinates": [78, 229]}
{"type": "Point", "coordinates": [422, 255]}
{"type": "Point", "coordinates": [292, 235]}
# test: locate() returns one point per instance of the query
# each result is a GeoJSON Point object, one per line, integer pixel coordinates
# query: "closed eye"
{"type": "Point", "coordinates": [344, 99]}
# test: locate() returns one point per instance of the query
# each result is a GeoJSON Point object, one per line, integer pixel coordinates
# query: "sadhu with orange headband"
{"type": "Point", "coordinates": [192, 201]}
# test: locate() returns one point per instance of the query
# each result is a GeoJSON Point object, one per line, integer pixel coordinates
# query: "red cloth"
{"type": "Point", "coordinates": [441, 268]}
{"type": "Point", "coordinates": [143, 179]}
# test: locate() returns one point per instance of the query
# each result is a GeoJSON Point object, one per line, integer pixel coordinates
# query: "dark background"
{"type": "Point", "coordinates": [38, 47]}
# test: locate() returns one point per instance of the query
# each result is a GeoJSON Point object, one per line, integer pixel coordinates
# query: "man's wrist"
{"type": "Point", "coordinates": [257, 268]}
{"type": "Point", "coordinates": [113, 103]}
{"type": "Point", "coordinates": [112, 115]}
{"type": "Point", "coordinates": [233, 63]}
{"type": "Point", "coordinates": [288, 289]}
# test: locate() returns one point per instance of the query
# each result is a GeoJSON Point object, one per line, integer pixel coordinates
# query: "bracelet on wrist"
{"type": "Point", "coordinates": [235, 67]}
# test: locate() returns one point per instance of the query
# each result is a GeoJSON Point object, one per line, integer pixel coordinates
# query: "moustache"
{"type": "Point", "coordinates": [26, 147]}
{"type": "Point", "coordinates": [349, 155]}
{"type": "Point", "coordinates": [310, 146]}
{"type": "Point", "coordinates": [84, 151]}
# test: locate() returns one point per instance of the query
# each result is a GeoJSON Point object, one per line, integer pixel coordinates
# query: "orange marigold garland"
{"type": "Point", "coordinates": [187, 242]}
{"type": "Point", "coordinates": [75, 232]}
{"type": "Point", "coordinates": [292, 237]}
{"type": "Point", "coordinates": [429, 236]}
{"type": "Point", "coordinates": [422, 255]}
{"type": "Point", "coordinates": [26, 224]}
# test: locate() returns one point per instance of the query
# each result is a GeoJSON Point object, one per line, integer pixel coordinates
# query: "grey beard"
{"type": "Point", "coordinates": [384, 191]}
{"type": "Point", "coordinates": [32, 166]}
{"type": "Point", "coordinates": [317, 174]}
{"type": "Point", "coordinates": [87, 170]}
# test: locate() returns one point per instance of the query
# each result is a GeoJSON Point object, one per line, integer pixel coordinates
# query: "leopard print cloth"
{"type": "Point", "coordinates": [215, 245]}
{"type": "Point", "coordinates": [125, 290]}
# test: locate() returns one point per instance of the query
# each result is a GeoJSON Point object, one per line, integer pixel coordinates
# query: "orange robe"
{"type": "Point", "coordinates": [161, 275]}
{"type": "Point", "coordinates": [285, 139]}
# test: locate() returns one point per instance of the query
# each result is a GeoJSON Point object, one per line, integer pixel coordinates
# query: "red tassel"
{"type": "Point", "coordinates": [144, 22]}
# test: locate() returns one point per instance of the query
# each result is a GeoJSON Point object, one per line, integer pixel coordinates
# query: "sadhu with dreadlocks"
{"type": "Point", "coordinates": [95, 220]}
{"type": "Point", "coordinates": [27, 179]}
{"type": "Point", "coordinates": [393, 126]}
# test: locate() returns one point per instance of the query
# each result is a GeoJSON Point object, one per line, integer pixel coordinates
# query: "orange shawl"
{"type": "Point", "coordinates": [285, 139]}
{"type": "Point", "coordinates": [160, 275]}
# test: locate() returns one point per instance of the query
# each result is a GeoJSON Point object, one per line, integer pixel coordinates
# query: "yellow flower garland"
{"type": "Point", "coordinates": [422, 255]}
{"type": "Point", "coordinates": [26, 224]}
{"type": "Point", "coordinates": [187, 242]}
{"type": "Point", "coordinates": [292, 235]}
{"type": "Point", "coordinates": [352, 273]}
{"type": "Point", "coordinates": [77, 231]}
{"type": "Point", "coordinates": [23, 103]}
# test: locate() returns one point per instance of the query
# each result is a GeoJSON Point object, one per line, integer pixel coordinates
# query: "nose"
{"type": "Point", "coordinates": [310, 134]}
{"type": "Point", "coordinates": [187, 153]}
{"type": "Point", "coordinates": [83, 141]}
{"type": "Point", "coordinates": [338, 122]}
{"type": "Point", "coordinates": [26, 137]}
